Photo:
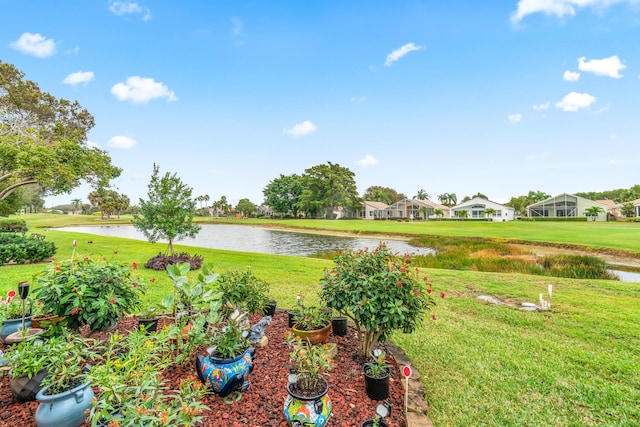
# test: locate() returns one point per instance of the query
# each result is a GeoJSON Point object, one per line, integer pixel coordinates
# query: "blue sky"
{"type": "Point", "coordinates": [500, 97]}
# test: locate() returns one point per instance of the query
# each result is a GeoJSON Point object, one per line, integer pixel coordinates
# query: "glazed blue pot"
{"type": "Point", "coordinates": [226, 375]}
{"type": "Point", "coordinates": [10, 326]}
{"type": "Point", "coordinates": [308, 410]}
{"type": "Point", "coordinates": [67, 409]}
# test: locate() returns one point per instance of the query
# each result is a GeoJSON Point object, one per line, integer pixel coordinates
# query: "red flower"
{"type": "Point", "coordinates": [430, 284]}
{"type": "Point", "coordinates": [425, 278]}
{"type": "Point", "coordinates": [399, 283]}
{"type": "Point", "coordinates": [441, 294]}
{"type": "Point", "coordinates": [112, 301]}
{"type": "Point", "coordinates": [75, 310]}
{"type": "Point", "coordinates": [153, 279]}
{"type": "Point", "coordinates": [134, 265]}
{"type": "Point", "coordinates": [416, 293]}
{"type": "Point", "coordinates": [403, 270]}
{"type": "Point", "coordinates": [433, 317]}
{"type": "Point", "coordinates": [429, 291]}
{"type": "Point", "coordinates": [11, 293]}
{"type": "Point", "coordinates": [57, 268]}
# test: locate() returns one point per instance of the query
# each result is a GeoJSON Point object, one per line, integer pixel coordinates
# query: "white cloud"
{"type": "Point", "coordinates": [120, 141]}
{"type": "Point", "coordinates": [238, 27]}
{"type": "Point", "coordinates": [609, 67]}
{"type": "Point", "coordinates": [575, 101]}
{"type": "Point", "coordinates": [515, 118]}
{"type": "Point", "coordinates": [73, 51]}
{"type": "Point", "coordinates": [127, 8]}
{"type": "Point", "coordinates": [35, 44]}
{"type": "Point", "coordinates": [571, 76]}
{"type": "Point", "coordinates": [79, 77]}
{"type": "Point", "coordinates": [301, 129]}
{"type": "Point", "coordinates": [559, 8]}
{"type": "Point", "coordinates": [400, 52]}
{"type": "Point", "coordinates": [141, 90]}
{"type": "Point", "coordinates": [368, 160]}
{"type": "Point", "coordinates": [541, 107]}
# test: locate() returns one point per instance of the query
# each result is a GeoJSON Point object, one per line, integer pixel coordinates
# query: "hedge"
{"type": "Point", "coordinates": [20, 249]}
{"type": "Point", "coordinates": [16, 225]}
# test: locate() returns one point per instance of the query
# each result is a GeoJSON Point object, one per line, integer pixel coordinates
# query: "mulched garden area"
{"type": "Point", "coordinates": [262, 404]}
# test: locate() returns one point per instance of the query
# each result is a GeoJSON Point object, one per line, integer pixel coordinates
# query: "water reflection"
{"type": "Point", "coordinates": [256, 239]}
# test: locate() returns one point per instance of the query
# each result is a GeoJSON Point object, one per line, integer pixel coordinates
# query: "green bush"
{"type": "Point", "coordinates": [20, 249]}
{"type": "Point", "coordinates": [87, 292]}
{"type": "Point", "coordinates": [16, 225]}
{"type": "Point", "coordinates": [563, 219]}
{"type": "Point", "coordinates": [244, 288]}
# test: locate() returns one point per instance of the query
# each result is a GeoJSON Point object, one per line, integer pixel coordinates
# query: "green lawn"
{"type": "Point", "coordinates": [481, 364]}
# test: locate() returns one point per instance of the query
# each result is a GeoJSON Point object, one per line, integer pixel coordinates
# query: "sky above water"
{"type": "Point", "coordinates": [499, 97]}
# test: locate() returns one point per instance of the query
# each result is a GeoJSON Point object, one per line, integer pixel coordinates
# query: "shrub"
{"type": "Point", "coordinates": [161, 261]}
{"type": "Point", "coordinates": [20, 249]}
{"type": "Point", "coordinates": [15, 225]}
{"type": "Point", "coordinates": [377, 291]}
{"type": "Point", "coordinates": [94, 293]}
{"type": "Point", "coordinates": [244, 288]}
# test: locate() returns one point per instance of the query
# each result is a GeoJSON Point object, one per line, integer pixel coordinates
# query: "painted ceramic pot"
{"type": "Point", "coordinates": [226, 375]}
{"type": "Point", "coordinates": [307, 411]}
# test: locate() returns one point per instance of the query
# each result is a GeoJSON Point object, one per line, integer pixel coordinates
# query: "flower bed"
{"type": "Point", "coordinates": [262, 404]}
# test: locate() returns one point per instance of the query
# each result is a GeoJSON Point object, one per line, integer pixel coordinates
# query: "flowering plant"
{"type": "Point", "coordinates": [11, 308]}
{"type": "Point", "coordinates": [378, 367]}
{"type": "Point", "coordinates": [378, 291]}
{"type": "Point", "coordinates": [95, 293]}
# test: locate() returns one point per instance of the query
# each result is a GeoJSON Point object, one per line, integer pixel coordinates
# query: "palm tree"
{"type": "Point", "coordinates": [448, 199]}
{"type": "Point", "coordinates": [76, 204]}
{"type": "Point", "coordinates": [489, 212]}
{"type": "Point", "coordinates": [422, 195]}
{"type": "Point", "coordinates": [593, 212]}
{"type": "Point", "coordinates": [439, 213]}
{"type": "Point", "coordinates": [423, 210]}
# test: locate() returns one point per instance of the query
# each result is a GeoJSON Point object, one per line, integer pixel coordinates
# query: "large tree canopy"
{"type": "Point", "coordinates": [43, 140]}
{"type": "Point", "coordinates": [282, 194]}
{"type": "Point", "coordinates": [327, 188]}
{"type": "Point", "coordinates": [377, 193]}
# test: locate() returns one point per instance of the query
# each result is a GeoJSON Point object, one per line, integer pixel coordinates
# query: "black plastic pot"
{"type": "Point", "coordinates": [270, 308]}
{"type": "Point", "coordinates": [151, 325]}
{"type": "Point", "coordinates": [339, 326]}
{"type": "Point", "coordinates": [369, 423]}
{"type": "Point", "coordinates": [377, 388]}
{"type": "Point", "coordinates": [24, 389]}
{"type": "Point", "coordinates": [292, 319]}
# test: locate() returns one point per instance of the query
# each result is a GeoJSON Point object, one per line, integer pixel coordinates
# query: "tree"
{"type": "Point", "coordinates": [169, 212]}
{"type": "Point", "coordinates": [283, 193]}
{"type": "Point", "coordinates": [43, 140]}
{"type": "Point", "coordinates": [327, 188]}
{"type": "Point", "coordinates": [519, 204]}
{"type": "Point", "coordinates": [536, 196]}
{"type": "Point", "coordinates": [223, 205]}
{"type": "Point", "coordinates": [245, 207]}
{"type": "Point", "coordinates": [424, 211]}
{"type": "Point", "coordinates": [593, 212]}
{"type": "Point", "coordinates": [386, 195]}
{"type": "Point", "coordinates": [489, 212]}
{"type": "Point", "coordinates": [422, 195]}
{"type": "Point", "coordinates": [439, 213]}
{"type": "Point", "coordinates": [462, 214]}
{"type": "Point", "coordinates": [448, 199]}
{"type": "Point", "coordinates": [627, 210]}
{"type": "Point", "coordinates": [77, 204]}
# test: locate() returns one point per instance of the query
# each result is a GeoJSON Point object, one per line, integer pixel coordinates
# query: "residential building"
{"type": "Point", "coordinates": [476, 207]}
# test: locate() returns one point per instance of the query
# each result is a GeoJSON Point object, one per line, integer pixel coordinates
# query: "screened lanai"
{"type": "Point", "coordinates": [565, 205]}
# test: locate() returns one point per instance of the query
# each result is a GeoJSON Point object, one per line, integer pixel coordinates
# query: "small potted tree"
{"type": "Point", "coordinates": [244, 288]}
{"type": "Point", "coordinates": [312, 323]}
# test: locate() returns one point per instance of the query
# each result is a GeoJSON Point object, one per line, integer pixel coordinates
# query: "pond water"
{"type": "Point", "coordinates": [626, 276]}
{"type": "Point", "coordinates": [256, 239]}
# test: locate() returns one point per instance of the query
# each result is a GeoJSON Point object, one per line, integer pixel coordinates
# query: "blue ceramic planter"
{"type": "Point", "coordinates": [226, 375]}
{"type": "Point", "coordinates": [308, 411]}
{"type": "Point", "coordinates": [10, 326]}
{"type": "Point", "coordinates": [65, 409]}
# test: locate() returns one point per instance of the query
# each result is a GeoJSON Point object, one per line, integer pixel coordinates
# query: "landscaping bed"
{"type": "Point", "coordinates": [262, 404]}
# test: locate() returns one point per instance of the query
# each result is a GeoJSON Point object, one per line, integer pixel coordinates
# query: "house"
{"type": "Point", "coordinates": [415, 209]}
{"type": "Point", "coordinates": [565, 205]}
{"type": "Point", "coordinates": [636, 207]}
{"type": "Point", "coordinates": [613, 208]}
{"type": "Point", "coordinates": [373, 210]}
{"type": "Point", "coordinates": [476, 207]}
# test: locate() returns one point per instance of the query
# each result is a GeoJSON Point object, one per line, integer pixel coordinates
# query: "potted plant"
{"type": "Point", "coordinates": [379, 292]}
{"type": "Point", "coordinates": [149, 319]}
{"type": "Point", "coordinates": [312, 323]}
{"type": "Point", "coordinates": [230, 357]}
{"type": "Point", "coordinates": [244, 288]}
{"type": "Point", "coordinates": [66, 395]}
{"type": "Point", "coordinates": [11, 313]}
{"type": "Point", "coordinates": [376, 376]}
{"type": "Point", "coordinates": [28, 361]}
{"type": "Point", "coordinates": [189, 296]}
{"type": "Point", "coordinates": [94, 293]}
{"type": "Point", "coordinates": [383, 410]}
{"type": "Point", "coordinates": [307, 403]}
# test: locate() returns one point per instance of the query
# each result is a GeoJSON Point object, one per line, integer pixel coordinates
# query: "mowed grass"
{"type": "Point", "coordinates": [481, 364]}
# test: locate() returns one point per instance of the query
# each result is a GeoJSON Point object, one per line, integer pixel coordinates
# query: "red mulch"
{"type": "Point", "coordinates": [262, 404]}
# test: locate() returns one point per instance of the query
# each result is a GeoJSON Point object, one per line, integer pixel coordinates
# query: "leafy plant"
{"type": "Point", "coordinates": [11, 307]}
{"type": "Point", "coordinates": [311, 361]}
{"type": "Point", "coordinates": [243, 287]}
{"type": "Point", "coordinates": [95, 293]}
{"type": "Point", "coordinates": [190, 295]}
{"type": "Point", "coordinates": [310, 318]}
{"type": "Point", "coordinates": [228, 325]}
{"type": "Point", "coordinates": [20, 249]}
{"type": "Point", "coordinates": [28, 358]}
{"type": "Point", "coordinates": [378, 367]}
{"type": "Point", "coordinates": [161, 261]}
{"type": "Point", "coordinates": [378, 292]}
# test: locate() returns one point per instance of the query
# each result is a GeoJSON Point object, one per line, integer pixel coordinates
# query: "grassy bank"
{"type": "Point", "coordinates": [481, 364]}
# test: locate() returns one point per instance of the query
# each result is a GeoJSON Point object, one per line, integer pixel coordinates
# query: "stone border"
{"type": "Point", "coordinates": [417, 407]}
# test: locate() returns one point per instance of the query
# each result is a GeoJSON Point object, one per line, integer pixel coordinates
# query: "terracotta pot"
{"type": "Point", "coordinates": [315, 336]}
{"type": "Point", "coordinates": [45, 321]}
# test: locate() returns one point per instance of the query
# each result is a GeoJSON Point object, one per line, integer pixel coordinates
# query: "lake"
{"type": "Point", "coordinates": [257, 239]}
